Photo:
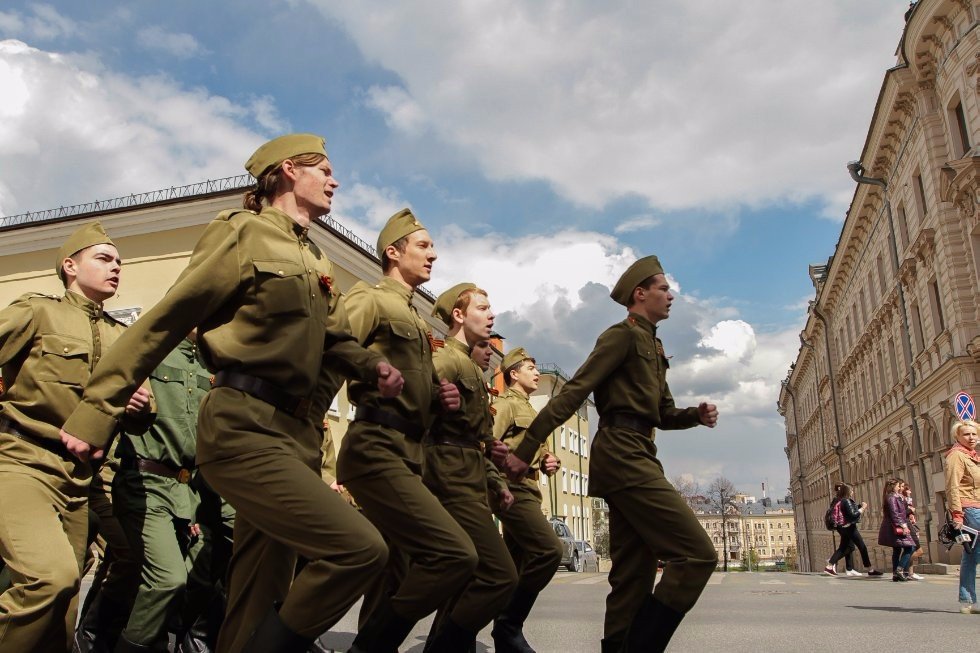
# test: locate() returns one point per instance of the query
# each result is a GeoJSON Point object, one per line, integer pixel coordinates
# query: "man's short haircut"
{"type": "Point", "coordinates": [400, 246]}
{"type": "Point", "coordinates": [646, 284]}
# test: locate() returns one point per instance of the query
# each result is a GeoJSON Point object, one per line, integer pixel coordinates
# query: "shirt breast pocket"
{"type": "Point", "coordinates": [64, 359]}
{"type": "Point", "coordinates": [406, 347]}
{"type": "Point", "coordinates": [281, 288]}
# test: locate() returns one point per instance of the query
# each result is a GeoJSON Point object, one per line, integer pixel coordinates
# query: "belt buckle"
{"type": "Point", "coordinates": [302, 408]}
{"type": "Point", "coordinates": [184, 476]}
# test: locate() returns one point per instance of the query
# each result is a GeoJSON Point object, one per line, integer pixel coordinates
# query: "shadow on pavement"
{"type": "Point", "coordinates": [885, 608]}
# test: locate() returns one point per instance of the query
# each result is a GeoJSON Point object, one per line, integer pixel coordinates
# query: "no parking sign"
{"type": "Point", "coordinates": [964, 406]}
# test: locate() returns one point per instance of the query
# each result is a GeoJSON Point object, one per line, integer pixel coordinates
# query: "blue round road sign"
{"type": "Point", "coordinates": [964, 406]}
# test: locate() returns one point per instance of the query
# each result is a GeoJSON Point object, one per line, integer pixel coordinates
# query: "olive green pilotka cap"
{"type": "Point", "coordinates": [82, 238]}
{"type": "Point", "coordinates": [443, 308]}
{"type": "Point", "coordinates": [647, 266]}
{"type": "Point", "coordinates": [398, 226]}
{"type": "Point", "coordinates": [513, 357]}
{"type": "Point", "coordinates": [279, 149]}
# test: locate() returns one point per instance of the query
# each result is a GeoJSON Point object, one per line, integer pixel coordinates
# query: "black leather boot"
{"type": "Point", "coordinates": [652, 627]}
{"type": "Point", "coordinates": [507, 633]}
{"type": "Point", "coordinates": [273, 636]}
{"type": "Point", "coordinates": [383, 632]}
{"type": "Point", "coordinates": [613, 643]}
{"type": "Point", "coordinates": [451, 638]}
{"type": "Point", "coordinates": [102, 620]}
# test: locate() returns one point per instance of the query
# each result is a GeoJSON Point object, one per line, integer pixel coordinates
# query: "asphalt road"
{"type": "Point", "coordinates": [753, 612]}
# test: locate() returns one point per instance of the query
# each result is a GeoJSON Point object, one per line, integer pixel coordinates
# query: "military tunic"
{"type": "Point", "coordinates": [459, 474]}
{"type": "Point", "coordinates": [48, 347]}
{"type": "Point", "coordinates": [381, 466]}
{"type": "Point", "coordinates": [260, 293]}
{"type": "Point", "coordinates": [531, 540]}
{"type": "Point", "coordinates": [649, 520]}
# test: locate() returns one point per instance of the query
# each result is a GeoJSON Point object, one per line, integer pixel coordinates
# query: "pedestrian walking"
{"type": "Point", "coordinates": [648, 519]}
{"type": "Point", "coordinates": [894, 530]}
{"type": "Point", "coordinates": [914, 530]}
{"type": "Point", "coordinates": [963, 501]}
{"type": "Point", "coordinates": [531, 540]}
{"type": "Point", "coordinates": [850, 534]}
{"type": "Point", "coordinates": [48, 347]}
{"type": "Point", "coordinates": [260, 293]}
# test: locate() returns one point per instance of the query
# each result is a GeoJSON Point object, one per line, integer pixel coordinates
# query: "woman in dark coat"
{"type": "Point", "coordinates": [894, 531]}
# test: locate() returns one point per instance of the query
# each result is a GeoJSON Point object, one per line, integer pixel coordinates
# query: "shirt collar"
{"type": "Point", "coordinates": [93, 309]}
{"type": "Point", "coordinates": [397, 286]}
{"type": "Point", "coordinates": [511, 392]}
{"type": "Point", "coordinates": [638, 319]}
{"type": "Point", "coordinates": [284, 222]}
{"type": "Point", "coordinates": [461, 347]}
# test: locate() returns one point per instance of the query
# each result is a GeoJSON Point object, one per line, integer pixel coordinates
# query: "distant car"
{"type": "Point", "coordinates": [588, 559]}
{"type": "Point", "coordinates": [576, 555]}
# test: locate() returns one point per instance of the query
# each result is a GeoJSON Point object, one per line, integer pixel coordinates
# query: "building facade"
{"type": "Point", "coordinates": [759, 534]}
{"type": "Point", "coordinates": [893, 332]}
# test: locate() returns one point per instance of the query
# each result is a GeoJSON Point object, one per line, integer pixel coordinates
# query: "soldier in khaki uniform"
{"type": "Point", "coordinates": [457, 471]}
{"type": "Point", "coordinates": [531, 540]}
{"type": "Point", "coordinates": [648, 518]}
{"type": "Point", "coordinates": [380, 460]}
{"type": "Point", "coordinates": [48, 347]}
{"type": "Point", "coordinates": [261, 294]}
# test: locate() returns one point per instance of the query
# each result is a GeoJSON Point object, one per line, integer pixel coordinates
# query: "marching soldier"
{"type": "Point", "coordinates": [531, 540]}
{"type": "Point", "coordinates": [48, 347]}
{"type": "Point", "coordinates": [261, 294]}
{"type": "Point", "coordinates": [380, 460]}
{"type": "Point", "coordinates": [459, 474]}
{"type": "Point", "coordinates": [648, 518]}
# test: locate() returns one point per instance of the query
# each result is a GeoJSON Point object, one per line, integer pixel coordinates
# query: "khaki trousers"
{"type": "Point", "coordinates": [531, 540]}
{"type": "Point", "coordinates": [373, 467]}
{"type": "Point", "coordinates": [647, 524]}
{"type": "Point", "coordinates": [283, 509]}
{"type": "Point", "coordinates": [43, 531]}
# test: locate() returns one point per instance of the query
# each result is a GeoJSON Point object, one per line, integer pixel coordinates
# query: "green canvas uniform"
{"type": "Point", "coordinates": [156, 501]}
{"type": "Point", "coordinates": [649, 520]}
{"type": "Point", "coordinates": [381, 465]}
{"type": "Point", "coordinates": [259, 292]}
{"type": "Point", "coordinates": [458, 473]}
{"type": "Point", "coordinates": [48, 347]}
{"type": "Point", "coordinates": [531, 540]}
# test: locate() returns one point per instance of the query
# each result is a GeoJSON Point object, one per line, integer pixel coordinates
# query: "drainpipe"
{"type": "Point", "coordinates": [839, 446]}
{"type": "Point", "coordinates": [856, 170]}
{"type": "Point", "coordinates": [801, 477]}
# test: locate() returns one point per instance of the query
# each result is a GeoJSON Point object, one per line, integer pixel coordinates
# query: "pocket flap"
{"type": "Point", "coordinates": [65, 346]}
{"type": "Point", "coordinates": [405, 330]}
{"type": "Point", "coordinates": [279, 268]}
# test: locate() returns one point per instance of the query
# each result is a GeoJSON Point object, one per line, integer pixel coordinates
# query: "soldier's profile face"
{"type": "Point", "coordinates": [314, 187]}
{"type": "Point", "coordinates": [527, 376]}
{"type": "Point", "coordinates": [478, 318]}
{"type": "Point", "coordinates": [94, 272]}
{"type": "Point", "coordinates": [481, 354]}
{"type": "Point", "coordinates": [656, 299]}
{"type": "Point", "coordinates": [415, 263]}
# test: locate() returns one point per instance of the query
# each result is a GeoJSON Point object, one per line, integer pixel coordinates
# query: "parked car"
{"type": "Point", "coordinates": [576, 555]}
{"type": "Point", "coordinates": [588, 559]}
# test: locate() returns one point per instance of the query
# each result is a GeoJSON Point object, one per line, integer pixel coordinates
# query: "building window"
{"type": "Point", "coordinates": [920, 195]}
{"type": "Point", "coordinates": [936, 308]}
{"type": "Point", "coordinates": [881, 373]}
{"type": "Point", "coordinates": [564, 480]}
{"type": "Point", "coordinates": [562, 432]}
{"type": "Point", "coordinates": [958, 131]}
{"type": "Point", "coordinates": [893, 360]}
{"type": "Point", "coordinates": [881, 274]}
{"type": "Point", "coordinates": [903, 227]}
{"type": "Point", "coordinates": [917, 328]}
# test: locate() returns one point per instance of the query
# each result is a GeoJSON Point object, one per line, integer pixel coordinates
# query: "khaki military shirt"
{"type": "Point", "coordinates": [512, 414]}
{"type": "Point", "coordinates": [384, 320]}
{"type": "Point", "coordinates": [627, 373]}
{"type": "Point", "coordinates": [48, 348]}
{"type": "Point", "coordinates": [442, 471]}
{"type": "Point", "coordinates": [260, 293]}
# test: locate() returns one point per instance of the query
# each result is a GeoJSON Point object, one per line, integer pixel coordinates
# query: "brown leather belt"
{"type": "Point", "coordinates": [437, 438]}
{"type": "Point", "coordinates": [57, 447]}
{"type": "Point", "coordinates": [410, 430]}
{"type": "Point", "coordinates": [627, 421]}
{"type": "Point", "coordinates": [157, 468]}
{"type": "Point", "coordinates": [260, 389]}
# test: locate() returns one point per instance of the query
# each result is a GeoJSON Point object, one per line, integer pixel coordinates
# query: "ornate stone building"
{"type": "Point", "coordinates": [894, 329]}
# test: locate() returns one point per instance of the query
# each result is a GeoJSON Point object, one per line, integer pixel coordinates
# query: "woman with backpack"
{"type": "Point", "coordinates": [895, 531]}
{"type": "Point", "coordinates": [850, 536]}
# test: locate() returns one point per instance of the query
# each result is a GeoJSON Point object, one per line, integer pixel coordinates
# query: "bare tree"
{"type": "Point", "coordinates": [721, 499]}
{"type": "Point", "coordinates": [688, 488]}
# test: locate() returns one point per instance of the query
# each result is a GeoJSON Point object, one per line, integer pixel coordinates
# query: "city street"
{"type": "Point", "coordinates": [752, 612]}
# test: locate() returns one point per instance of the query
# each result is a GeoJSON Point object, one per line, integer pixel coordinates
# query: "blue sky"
{"type": "Point", "coordinates": [563, 139]}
